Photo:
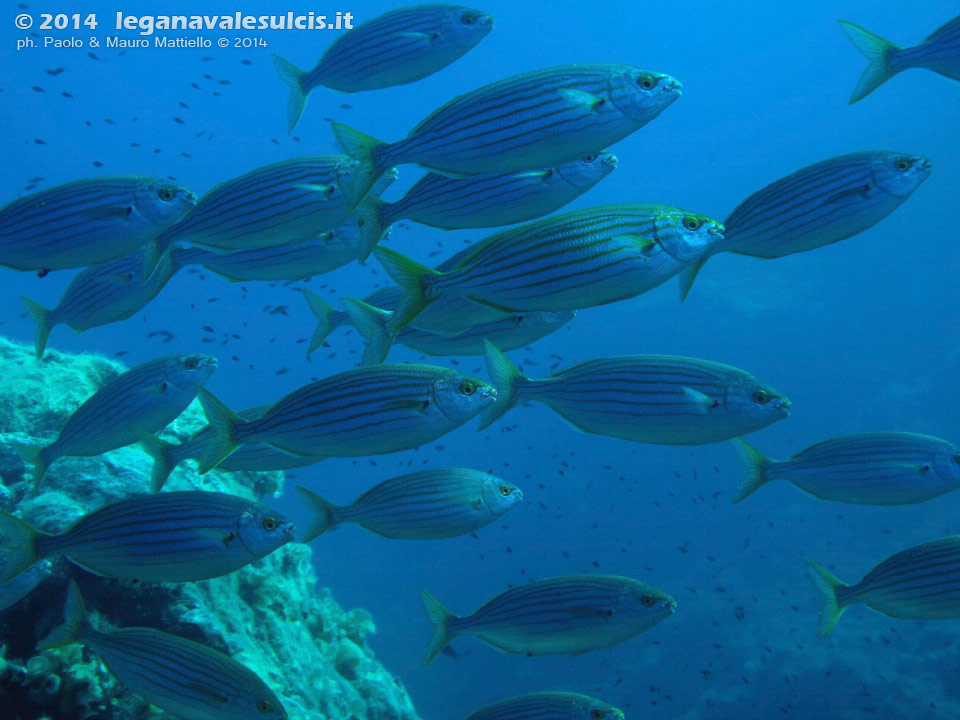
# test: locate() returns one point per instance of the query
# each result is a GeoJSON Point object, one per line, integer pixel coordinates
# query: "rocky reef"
{"type": "Point", "coordinates": [268, 616]}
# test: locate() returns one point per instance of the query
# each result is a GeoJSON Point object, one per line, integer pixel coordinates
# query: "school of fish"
{"type": "Point", "coordinates": [514, 151]}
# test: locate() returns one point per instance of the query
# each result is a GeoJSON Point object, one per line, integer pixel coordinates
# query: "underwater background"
{"type": "Point", "coordinates": [862, 335]}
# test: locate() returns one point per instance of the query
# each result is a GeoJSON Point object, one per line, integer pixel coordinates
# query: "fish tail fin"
{"type": "Point", "coordinates": [324, 313]}
{"type": "Point", "coordinates": [440, 618]}
{"type": "Point", "coordinates": [756, 475]}
{"type": "Point", "coordinates": [223, 438]}
{"type": "Point", "coordinates": [828, 585]}
{"type": "Point", "coordinates": [19, 550]}
{"type": "Point", "coordinates": [292, 77]}
{"type": "Point", "coordinates": [41, 316]}
{"type": "Point", "coordinates": [877, 51]}
{"type": "Point", "coordinates": [323, 514]}
{"type": "Point", "coordinates": [504, 375]}
{"type": "Point", "coordinates": [410, 276]}
{"type": "Point", "coordinates": [373, 226]}
{"type": "Point", "coordinates": [689, 274]}
{"type": "Point", "coordinates": [33, 455]}
{"type": "Point", "coordinates": [159, 450]}
{"type": "Point", "coordinates": [74, 621]}
{"type": "Point", "coordinates": [374, 324]}
{"type": "Point", "coordinates": [368, 150]}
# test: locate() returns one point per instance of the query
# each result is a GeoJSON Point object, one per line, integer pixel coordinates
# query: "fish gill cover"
{"type": "Point", "coordinates": [193, 183]}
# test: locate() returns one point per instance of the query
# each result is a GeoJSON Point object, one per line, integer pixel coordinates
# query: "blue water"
{"type": "Point", "coordinates": [862, 335]}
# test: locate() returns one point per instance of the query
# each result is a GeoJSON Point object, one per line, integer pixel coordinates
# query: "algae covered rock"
{"type": "Point", "coordinates": [310, 651]}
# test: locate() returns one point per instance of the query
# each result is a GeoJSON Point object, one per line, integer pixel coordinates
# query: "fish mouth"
{"type": "Point", "coordinates": [486, 20]}
{"type": "Point", "coordinates": [669, 605]}
{"type": "Point", "coordinates": [488, 393]}
{"type": "Point", "coordinates": [610, 160]}
{"type": "Point", "coordinates": [926, 164]}
{"type": "Point", "coordinates": [784, 406]}
{"type": "Point", "coordinates": [673, 85]}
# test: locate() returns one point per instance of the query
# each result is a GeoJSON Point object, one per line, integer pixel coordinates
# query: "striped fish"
{"type": "Point", "coordinates": [88, 222]}
{"type": "Point", "coordinates": [18, 587]}
{"type": "Point", "coordinates": [320, 254]}
{"type": "Point", "coordinates": [179, 676]}
{"type": "Point", "coordinates": [366, 411]}
{"type": "Point", "coordinates": [559, 616]}
{"type": "Point", "coordinates": [488, 200]}
{"type": "Point", "coordinates": [279, 204]}
{"type": "Point", "coordinates": [255, 457]}
{"type": "Point", "coordinates": [921, 583]}
{"type": "Point", "coordinates": [510, 333]}
{"type": "Point", "coordinates": [540, 119]}
{"type": "Point", "coordinates": [168, 537]}
{"type": "Point", "coordinates": [891, 468]}
{"type": "Point", "coordinates": [144, 399]}
{"type": "Point", "coordinates": [818, 205]}
{"type": "Point", "coordinates": [396, 48]}
{"type": "Point", "coordinates": [940, 52]}
{"type": "Point", "coordinates": [549, 706]}
{"type": "Point", "coordinates": [424, 505]}
{"type": "Point", "coordinates": [660, 399]}
{"type": "Point", "coordinates": [101, 295]}
{"type": "Point", "coordinates": [570, 261]}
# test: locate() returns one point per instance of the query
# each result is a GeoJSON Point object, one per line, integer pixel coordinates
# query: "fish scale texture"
{"type": "Point", "coordinates": [268, 616]}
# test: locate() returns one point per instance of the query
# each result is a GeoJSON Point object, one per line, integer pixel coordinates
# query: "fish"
{"type": "Point", "coordinates": [255, 457]}
{"type": "Point", "coordinates": [659, 399]}
{"type": "Point", "coordinates": [818, 205]}
{"type": "Point", "coordinates": [567, 615]}
{"type": "Point", "coordinates": [569, 261]}
{"type": "Point", "coordinates": [920, 583]}
{"type": "Point", "coordinates": [488, 200]}
{"type": "Point", "coordinates": [145, 398]}
{"type": "Point", "coordinates": [182, 677]}
{"type": "Point", "coordinates": [883, 468]}
{"type": "Point", "coordinates": [356, 413]}
{"type": "Point", "coordinates": [102, 294]}
{"type": "Point", "coordinates": [939, 52]}
{"type": "Point", "coordinates": [321, 254]}
{"type": "Point", "coordinates": [167, 537]}
{"type": "Point", "coordinates": [287, 202]}
{"type": "Point", "coordinates": [510, 333]}
{"type": "Point", "coordinates": [548, 706]}
{"type": "Point", "coordinates": [539, 119]}
{"type": "Point", "coordinates": [89, 222]}
{"type": "Point", "coordinates": [424, 505]}
{"type": "Point", "coordinates": [396, 48]}
{"type": "Point", "coordinates": [18, 587]}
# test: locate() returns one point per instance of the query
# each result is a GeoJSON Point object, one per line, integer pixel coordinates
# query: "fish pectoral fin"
{"type": "Point", "coordinates": [428, 38]}
{"type": "Point", "coordinates": [535, 175]}
{"type": "Point", "coordinates": [89, 568]}
{"type": "Point", "coordinates": [107, 212]}
{"type": "Point", "coordinates": [918, 468]}
{"type": "Point", "coordinates": [291, 453]}
{"type": "Point", "coordinates": [120, 279]}
{"type": "Point", "coordinates": [487, 303]}
{"type": "Point", "coordinates": [861, 191]}
{"type": "Point", "coordinates": [218, 535]}
{"type": "Point", "coordinates": [644, 244]}
{"type": "Point", "coordinates": [702, 402]}
{"type": "Point", "coordinates": [324, 191]}
{"type": "Point", "coordinates": [591, 102]}
{"type": "Point", "coordinates": [591, 611]}
{"type": "Point", "coordinates": [208, 694]}
{"type": "Point", "coordinates": [418, 407]}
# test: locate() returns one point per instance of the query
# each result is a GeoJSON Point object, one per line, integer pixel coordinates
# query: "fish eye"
{"type": "Point", "coordinates": [468, 388]}
{"type": "Point", "coordinates": [505, 490]}
{"type": "Point", "coordinates": [166, 194]}
{"type": "Point", "coordinates": [760, 397]}
{"type": "Point", "coordinates": [191, 363]}
{"type": "Point", "coordinates": [590, 158]}
{"type": "Point", "coordinates": [902, 164]}
{"type": "Point", "coordinates": [647, 600]}
{"type": "Point", "coordinates": [647, 82]}
{"type": "Point", "coordinates": [269, 524]}
{"type": "Point", "coordinates": [468, 19]}
{"type": "Point", "coordinates": [691, 222]}
{"type": "Point", "coordinates": [597, 714]}
{"type": "Point", "coordinates": [265, 706]}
